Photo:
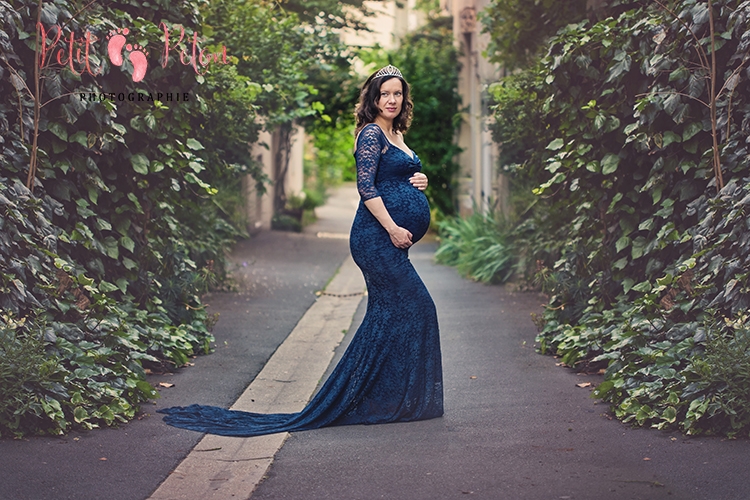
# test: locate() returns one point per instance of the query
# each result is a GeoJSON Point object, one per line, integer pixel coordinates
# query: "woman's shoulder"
{"type": "Point", "coordinates": [370, 132]}
{"type": "Point", "coordinates": [371, 129]}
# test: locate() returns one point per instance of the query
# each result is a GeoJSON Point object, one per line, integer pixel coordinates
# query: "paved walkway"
{"type": "Point", "coordinates": [516, 426]}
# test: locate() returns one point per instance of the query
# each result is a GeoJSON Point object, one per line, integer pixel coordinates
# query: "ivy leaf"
{"type": "Point", "coordinates": [679, 74]}
{"type": "Point", "coordinates": [194, 144]}
{"type": "Point", "coordinates": [59, 130]}
{"type": "Point", "coordinates": [670, 137]}
{"type": "Point", "coordinates": [80, 137]}
{"type": "Point", "coordinates": [690, 130]}
{"type": "Point", "coordinates": [127, 243]}
{"type": "Point", "coordinates": [129, 263]}
{"type": "Point", "coordinates": [609, 163]}
{"type": "Point", "coordinates": [622, 243]}
{"type": "Point", "coordinates": [647, 224]}
{"type": "Point", "coordinates": [600, 121]}
{"type": "Point", "coordinates": [103, 225]}
{"type": "Point", "coordinates": [106, 287]}
{"type": "Point", "coordinates": [696, 85]}
{"type": "Point", "coordinates": [555, 145]}
{"type": "Point", "coordinates": [140, 163]}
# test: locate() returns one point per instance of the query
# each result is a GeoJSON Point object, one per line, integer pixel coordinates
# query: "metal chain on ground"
{"type": "Point", "coordinates": [319, 293]}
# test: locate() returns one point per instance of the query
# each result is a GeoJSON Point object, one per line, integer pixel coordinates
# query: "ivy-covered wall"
{"type": "Point", "coordinates": [630, 138]}
{"type": "Point", "coordinates": [107, 246]}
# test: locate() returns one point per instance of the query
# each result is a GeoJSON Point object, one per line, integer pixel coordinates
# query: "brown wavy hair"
{"type": "Point", "coordinates": [367, 109]}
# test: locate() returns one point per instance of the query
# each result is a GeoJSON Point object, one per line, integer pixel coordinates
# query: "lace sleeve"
{"type": "Point", "coordinates": [368, 153]}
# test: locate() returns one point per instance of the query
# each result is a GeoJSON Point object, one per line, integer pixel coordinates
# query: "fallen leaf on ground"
{"type": "Point", "coordinates": [584, 384]}
{"type": "Point", "coordinates": [646, 459]}
{"type": "Point", "coordinates": [165, 384]}
{"type": "Point", "coordinates": [103, 459]}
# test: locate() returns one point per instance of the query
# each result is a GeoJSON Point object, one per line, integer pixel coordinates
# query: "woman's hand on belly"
{"type": "Point", "coordinates": [419, 181]}
{"type": "Point", "coordinates": [400, 237]}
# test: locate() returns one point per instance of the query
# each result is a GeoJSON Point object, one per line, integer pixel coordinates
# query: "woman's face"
{"type": "Point", "coordinates": [391, 99]}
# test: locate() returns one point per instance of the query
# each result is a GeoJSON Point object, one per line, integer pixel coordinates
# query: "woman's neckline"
{"type": "Point", "coordinates": [409, 153]}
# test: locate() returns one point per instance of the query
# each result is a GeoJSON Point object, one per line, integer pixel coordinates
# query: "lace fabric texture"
{"type": "Point", "coordinates": [391, 371]}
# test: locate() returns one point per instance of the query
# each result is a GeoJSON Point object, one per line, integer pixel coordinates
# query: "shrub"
{"type": "Point", "coordinates": [639, 239]}
{"type": "Point", "coordinates": [477, 246]}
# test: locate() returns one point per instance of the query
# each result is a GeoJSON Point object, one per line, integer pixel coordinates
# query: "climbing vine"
{"type": "Point", "coordinates": [114, 213]}
{"type": "Point", "coordinates": [633, 142]}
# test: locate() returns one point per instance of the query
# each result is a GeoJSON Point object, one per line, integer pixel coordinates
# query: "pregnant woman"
{"type": "Point", "coordinates": [391, 371]}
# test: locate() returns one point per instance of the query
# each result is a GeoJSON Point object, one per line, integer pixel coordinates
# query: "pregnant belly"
{"type": "Point", "coordinates": [407, 206]}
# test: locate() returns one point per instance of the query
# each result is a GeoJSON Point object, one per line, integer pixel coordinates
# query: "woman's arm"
{"type": "Point", "coordinates": [369, 147]}
{"type": "Point", "coordinates": [400, 237]}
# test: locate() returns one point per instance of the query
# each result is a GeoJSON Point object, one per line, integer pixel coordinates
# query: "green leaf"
{"type": "Point", "coordinates": [111, 247]}
{"type": "Point", "coordinates": [59, 130]}
{"type": "Point", "coordinates": [194, 144]}
{"type": "Point", "coordinates": [122, 284]}
{"type": "Point", "coordinates": [196, 167]}
{"type": "Point", "coordinates": [629, 129]}
{"type": "Point", "coordinates": [554, 166]}
{"type": "Point", "coordinates": [670, 415]}
{"type": "Point", "coordinates": [555, 145]}
{"type": "Point", "coordinates": [140, 163]}
{"type": "Point", "coordinates": [690, 130]}
{"type": "Point", "coordinates": [106, 287]}
{"type": "Point", "coordinates": [80, 137]}
{"type": "Point", "coordinates": [609, 163]}
{"type": "Point", "coordinates": [679, 74]}
{"type": "Point", "coordinates": [127, 243]}
{"type": "Point", "coordinates": [80, 414]}
{"type": "Point", "coordinates": [670, 137]}
{"type": "Point", "coordinates": [103, 225]}
{"type": "Point", "coordinates": [622, 243]}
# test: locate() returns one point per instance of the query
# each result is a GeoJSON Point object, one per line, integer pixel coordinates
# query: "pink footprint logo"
{"type": "Point", "coordinates": [115, 45]}
{"type": "Point", "coordinates": [137, 56]}
{"type": "Point", "coordinates": [136, 53]}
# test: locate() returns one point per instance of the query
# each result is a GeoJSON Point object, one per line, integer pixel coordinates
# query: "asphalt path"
{"type": "Point", "coordinates": [516, 426]}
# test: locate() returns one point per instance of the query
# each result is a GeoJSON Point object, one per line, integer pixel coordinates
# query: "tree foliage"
{"type": "Point", "coordinates": [103, 261]}
{"type": "Point", "coordinates": [643, 253]}
{"type": "Point", "coordinates": [521, 28]}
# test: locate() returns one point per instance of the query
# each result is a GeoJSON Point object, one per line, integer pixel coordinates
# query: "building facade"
{"type": "Point", "coordinates": [480, 185]}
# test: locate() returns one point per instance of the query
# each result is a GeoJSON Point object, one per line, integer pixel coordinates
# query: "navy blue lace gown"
{"type": "Point", "coordinates": [391, 371]}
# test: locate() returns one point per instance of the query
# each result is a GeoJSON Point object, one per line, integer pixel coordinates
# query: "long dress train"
{"type": "Point", "coordinates": [391, 371]}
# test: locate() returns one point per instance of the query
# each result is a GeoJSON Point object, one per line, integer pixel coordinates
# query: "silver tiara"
{"type": "Point", "coordinates": [388, 71]}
